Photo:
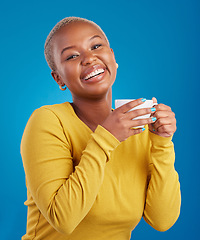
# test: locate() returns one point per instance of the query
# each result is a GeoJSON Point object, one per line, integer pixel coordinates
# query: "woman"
{"type": "Point", "coordinates": [90, 174]}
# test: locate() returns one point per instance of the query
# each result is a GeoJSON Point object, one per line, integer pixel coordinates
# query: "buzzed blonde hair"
{"type": "Point", "coordinates": [48, 47]}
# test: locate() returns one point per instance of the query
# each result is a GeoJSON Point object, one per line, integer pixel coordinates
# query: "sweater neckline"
{"type": "Point", "coordinates": [75, 115]}
{"type": "Point", "coordinates": [69, 104]}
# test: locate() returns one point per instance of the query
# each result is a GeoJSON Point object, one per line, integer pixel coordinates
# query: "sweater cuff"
{"type": "Point", "coordinates": [158, 140]}
{"type": "Point", "coordinates": [105, 140]}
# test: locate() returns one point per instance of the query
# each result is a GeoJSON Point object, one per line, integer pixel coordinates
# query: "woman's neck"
{"type": "Point", "coordinates": [93, 112]}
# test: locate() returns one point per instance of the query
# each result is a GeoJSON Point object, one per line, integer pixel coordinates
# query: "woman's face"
{"type": "Point", "coordinates": [84, 61]}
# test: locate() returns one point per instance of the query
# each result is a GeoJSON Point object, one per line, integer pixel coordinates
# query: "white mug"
{"type": "Point", "coordinates": [146, 104]}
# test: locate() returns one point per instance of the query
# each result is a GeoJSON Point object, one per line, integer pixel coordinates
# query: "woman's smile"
{"type": "Point", "coordinates": [93, 73]}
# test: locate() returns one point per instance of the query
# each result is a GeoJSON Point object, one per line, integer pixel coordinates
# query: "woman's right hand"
{"type": "Point", "coordinates": [120, 122]}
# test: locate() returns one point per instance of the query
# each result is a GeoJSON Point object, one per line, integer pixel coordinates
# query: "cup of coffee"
{"type": "Point", "coordinates": [146, 104]}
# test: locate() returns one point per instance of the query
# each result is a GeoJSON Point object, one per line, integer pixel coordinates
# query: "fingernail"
{"type": "Point", "coordinates": [153, 109]}
{"type": "Point", "coordinates": [143, 99]}
{"type": "Point", "coordinates": [143, 129]}
{"type": "Point", "coordinates": [154, 119]}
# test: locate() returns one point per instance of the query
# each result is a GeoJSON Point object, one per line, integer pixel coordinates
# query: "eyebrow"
{"type": "Point", "coordinates": [95, 36]}
{"type": "Point", "coordinates": [67, 48]}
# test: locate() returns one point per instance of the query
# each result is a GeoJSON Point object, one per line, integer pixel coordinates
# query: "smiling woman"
{"type": "Point", "coordinates": [83, 58]}
{"type": "Point", "coordinates": [91, 174]}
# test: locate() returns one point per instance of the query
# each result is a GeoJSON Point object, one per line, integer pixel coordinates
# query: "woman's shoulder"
{"type": "Point", "coordinates": [52, 113]}
{"type": "Point", "coordinates": [55, 109]}
{"type": "Point", "coordinates": [66, 106]}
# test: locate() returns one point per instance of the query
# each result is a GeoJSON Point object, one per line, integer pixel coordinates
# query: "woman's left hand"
{"type": "Point", "coordinates": [165, 124]}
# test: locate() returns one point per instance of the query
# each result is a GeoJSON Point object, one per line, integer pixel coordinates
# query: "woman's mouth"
{"type": "Point", "coordinates": [94, 74]}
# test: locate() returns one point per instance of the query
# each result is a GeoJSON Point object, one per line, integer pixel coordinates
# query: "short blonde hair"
{"type": "Point", "coordinates": [48, 43]}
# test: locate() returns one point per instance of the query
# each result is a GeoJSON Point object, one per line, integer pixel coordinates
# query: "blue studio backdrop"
{"type": "Point", "coordinates": [156, 45]}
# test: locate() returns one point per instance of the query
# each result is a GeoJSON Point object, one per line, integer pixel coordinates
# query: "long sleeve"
{"type": "Point", "coordinates": [163, 198]}
{"type": "Point", "coordinates": [62, 193]}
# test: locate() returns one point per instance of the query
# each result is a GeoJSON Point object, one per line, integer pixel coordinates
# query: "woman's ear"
{"type": "Point", "coordinates": [114, 57]}
{"type": "Point", "coordinates": [57, 78]}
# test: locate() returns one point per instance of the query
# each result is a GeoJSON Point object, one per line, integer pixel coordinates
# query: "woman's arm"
{"type": "Point", "coordinates": [63, 195]}
{"type": "Point", "coordinates": [163, 199]}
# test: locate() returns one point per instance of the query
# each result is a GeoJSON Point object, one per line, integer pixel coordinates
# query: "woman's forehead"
{"type": "Point", "coordinates": [77, 31]}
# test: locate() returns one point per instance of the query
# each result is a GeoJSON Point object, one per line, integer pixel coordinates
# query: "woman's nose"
{"type": "Point", "coordinates": [88, 58]}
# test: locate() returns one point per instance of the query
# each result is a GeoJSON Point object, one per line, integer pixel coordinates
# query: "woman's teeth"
{"type": "Point", "coordinates": [94, 73]}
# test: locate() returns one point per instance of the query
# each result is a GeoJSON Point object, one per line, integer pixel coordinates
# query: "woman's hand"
{"type": "Point", "coordinates": [165, 125]}
{"type": "Point", "coordinates": [121, 124]}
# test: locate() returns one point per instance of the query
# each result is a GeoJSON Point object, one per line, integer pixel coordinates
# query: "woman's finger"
{"type": "Point", "coordinates": [170, 129]}
{"type": "Point", "coordinates": [140, 122]}
{"type": "Point", "coordinates": [162, 107]}
{"type": "Point", "coordinates": [164, 121]}
{"type": "Point", "coordinates": [154, 100]}
{"type": "Point", "coordinates": [139, 112]}
{"type": "Point", "coordinates": [128, 106]}
{"type": "Point", "coordinates": [162, 114]}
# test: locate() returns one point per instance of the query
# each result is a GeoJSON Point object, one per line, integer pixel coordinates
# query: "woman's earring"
{"type": "Point", "coordinates": [61, 87]}
{"type": "Point", "coordinates": [117, 65]}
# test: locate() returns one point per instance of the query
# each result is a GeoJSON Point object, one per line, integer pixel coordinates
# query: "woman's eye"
{"type": "Point", "coordinates": [96, 46]}
{"type": "Point", "coordinates": [72, 57]}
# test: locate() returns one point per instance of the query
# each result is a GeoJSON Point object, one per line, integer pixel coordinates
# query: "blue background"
{"type": "Point", "coordinates": [156, 44]}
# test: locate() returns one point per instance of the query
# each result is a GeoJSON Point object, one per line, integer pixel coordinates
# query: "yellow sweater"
{"type": "Point", "coordinates": [87, 185]}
